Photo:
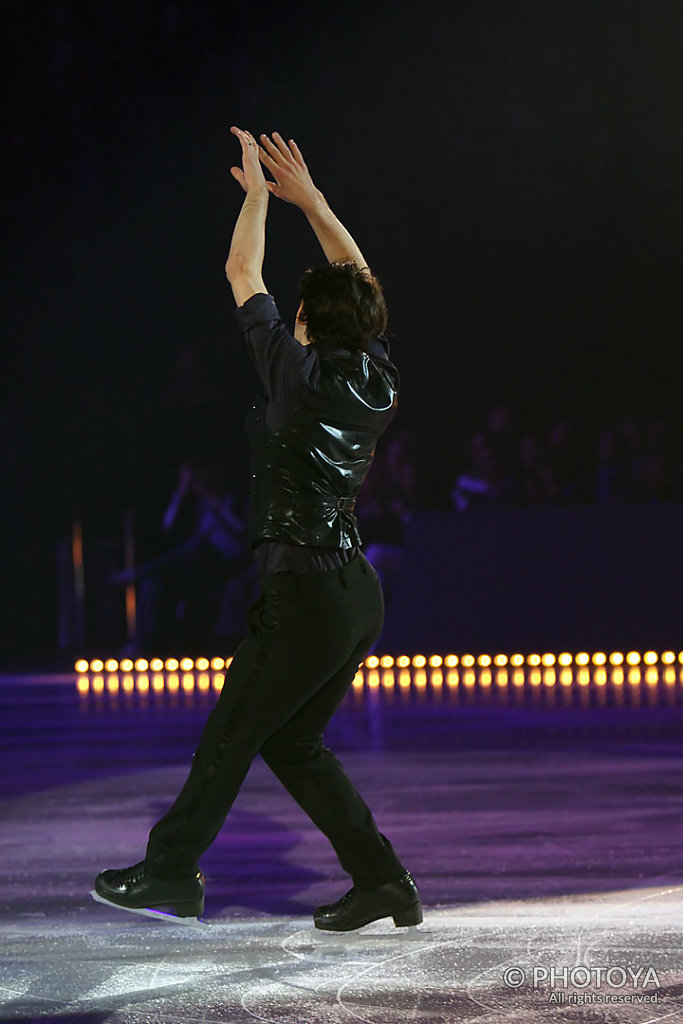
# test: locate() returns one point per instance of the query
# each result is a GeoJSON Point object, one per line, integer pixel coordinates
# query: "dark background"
{"type": "Point", "coordinates": [511, 170]}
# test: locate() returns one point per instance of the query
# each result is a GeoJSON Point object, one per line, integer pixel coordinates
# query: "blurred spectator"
{"type": "Point", "coordinates": [503, 434]}
{"type": "Point", "coordinates": [535, 482]}
{"type": "Point", "coordinates": [486, 482]}
{"type": "Point", "coordinates": [612, 477]}
{"type": "Point", "coordinates": [656, 479]}
{"type": "Point", "coordinates": [186, 584]}
{"type": "Point", "coordinates": [386, 505]}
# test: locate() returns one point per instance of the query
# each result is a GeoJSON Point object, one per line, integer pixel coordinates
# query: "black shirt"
{"type": "Point", "coordinates": [287, 370]}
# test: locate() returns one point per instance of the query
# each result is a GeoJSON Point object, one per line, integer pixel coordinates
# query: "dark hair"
{"type": "Point", "coordinates": [342, 303]}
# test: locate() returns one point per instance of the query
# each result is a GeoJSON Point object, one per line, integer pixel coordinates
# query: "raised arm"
{"type": "Point", "coordinates": [294, 184]}
{"type": "Point", "coordinates": [245, 260]}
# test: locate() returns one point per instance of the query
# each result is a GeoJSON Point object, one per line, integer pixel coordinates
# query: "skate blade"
{"type": "Point", "coordinates": [159, 915]}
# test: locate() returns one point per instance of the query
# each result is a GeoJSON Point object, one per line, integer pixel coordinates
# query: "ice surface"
{"type": "Point", "coordinates": [548, 856]}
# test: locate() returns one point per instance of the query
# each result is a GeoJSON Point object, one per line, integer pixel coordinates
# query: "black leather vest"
{"type": "Point", "coordinates": [305, 476]}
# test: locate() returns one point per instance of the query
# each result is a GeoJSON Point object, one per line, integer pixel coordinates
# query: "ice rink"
{"type": "Point", "coordinates": [544, 832]}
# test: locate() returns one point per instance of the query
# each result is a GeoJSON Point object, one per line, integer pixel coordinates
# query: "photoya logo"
{"type": "Point", "coordinates": [582, 977]}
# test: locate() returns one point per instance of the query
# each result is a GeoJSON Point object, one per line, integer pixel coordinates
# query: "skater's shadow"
{"type": "Point", "coordinates": [250, 865]}
{"type": "Point", "coordinates": [66, 1018]}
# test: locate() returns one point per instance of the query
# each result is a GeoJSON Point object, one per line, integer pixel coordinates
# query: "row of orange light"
{"type": "Point", "coordinates": [159, 683]}
{"type": "Point", "coordinates": [520, 677]}
{"type": "Point", "coordinates": [406, 677]}
{"type": "Point", "coordinates": [564, 660]}
{"type": "Point", "coordinates": [97, 665]}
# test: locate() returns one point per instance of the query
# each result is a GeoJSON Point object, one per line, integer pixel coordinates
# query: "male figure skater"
{"type": "Point", "coordinates": [330, 391]}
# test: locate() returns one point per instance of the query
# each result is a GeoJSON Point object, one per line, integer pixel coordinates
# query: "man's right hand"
{"type": "Point", "coordinates": [294, 184]}
{"type": "Point", "coordinates": [293, 181]}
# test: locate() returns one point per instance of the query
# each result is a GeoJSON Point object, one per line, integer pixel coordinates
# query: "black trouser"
{"type": "Point", "coordinates": [307, 634]}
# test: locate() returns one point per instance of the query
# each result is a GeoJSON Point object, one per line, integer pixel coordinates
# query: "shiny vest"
{"type": "Point", "coordinates": [305, 476]}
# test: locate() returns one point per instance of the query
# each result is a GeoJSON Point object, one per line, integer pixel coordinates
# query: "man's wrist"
{"type": "Point", "coordinates": [316, 204]}
{"type": "Point", "coordinates": [257, 194]}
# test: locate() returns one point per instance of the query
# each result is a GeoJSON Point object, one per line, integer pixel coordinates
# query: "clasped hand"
{"type": "Point", "coordinates": [293, 182]}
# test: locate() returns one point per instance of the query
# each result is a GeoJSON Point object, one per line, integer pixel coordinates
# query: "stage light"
{"type": "Point", "coordinates": [534, 660]}
{"type": "Point", "coordinates": [633, 658]}
{"type": "Point", "coordinates": [451, 660]}
{"type": "Point", "coordinates": [650, 657]}
{"type": "Point", "coordinates": [171, 664]}
{"type": "Point", "coordinates": [186, 664]}
{"type": "Point", "coordinates": [217, 664]}
{"type": "Point", "coordinates": [565, 659]}
{"type": "Point", "coordinates": [582, 658]}
{"type": "Point", "coordinates": [141, 665]}
{"type": "Point", "coordinates": [500, 660]}
{"type": "Point", "coordinates": [467, 660]}
{"type": "Point", "coordinates": [599, 658]}
{"type": "Point", "coordinates": [616, 658]}
{"type": "Point", "coordinates": [126, 665]}
{"type": "Point", "coordinates": [81, 665]}
{"type": "Point", "coordinates": [201, 664]}
{"type": "Point", "coordinates": [156, 664]}
{"type": "Point", "coordinates": [435, 661]}
{"type": "Point", "coordinates": [516, 660]}
{"type": "Point", "coordinates": [484, 660]}
{"type": "Point", "coordinates": [419, 661]}
{"type": "Point", "coordinates": [403, 661]}
{"type": "Point", "coordinates": [97, 665]}
{"type": "Point", "coordinates": [372, 661]}
{"type": "Point", "coordinates": [668, 657]}
{"type": "Point", "coordinates": [387, 661]}
{"type": "Point", "coordinates": [548, 660]}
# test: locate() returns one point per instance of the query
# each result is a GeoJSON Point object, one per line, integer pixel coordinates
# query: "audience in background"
{"type": "Point", "coordinates": [628, 461]}
{"type": "Point", "coordinates": [386, 504]}
{"type": "Point", "coordinates": [184, 591]}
